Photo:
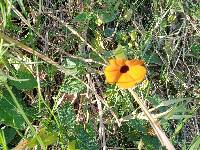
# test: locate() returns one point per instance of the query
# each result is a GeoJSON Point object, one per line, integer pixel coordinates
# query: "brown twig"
{"type": "Point", "coordinates": [155, 125]}
{"type": "Point", "coordinates": [101, 124]}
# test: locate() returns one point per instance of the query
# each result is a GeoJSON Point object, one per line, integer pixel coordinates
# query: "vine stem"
{"type": "Point", "coordinates": [155, 124]}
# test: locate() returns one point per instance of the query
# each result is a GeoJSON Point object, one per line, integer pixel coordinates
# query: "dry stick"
{"type": "Point", "coordinates": [141, 116]}
{"type": "Point", "coordinates": [77, 34]}
{"type": "Point", "coordinates": [101, 125]}
{"type": "Point", "coordinates": [30, 50]}
{"type": "Point", "coordinates": [161, 135]}
{"type": "Point", "coordinates": [61, 68]}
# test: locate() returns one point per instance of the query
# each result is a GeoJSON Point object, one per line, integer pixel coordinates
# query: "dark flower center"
{"type": "Point", "coordinates": [124, 69]}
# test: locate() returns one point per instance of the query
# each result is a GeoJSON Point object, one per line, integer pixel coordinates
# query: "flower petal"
{"type": "Point", "coordinates": [112, 62]}
{"type": "Point", "coordinates": [125, 81]}
{"type": "Point", "coordinates": [112, 76]}
{"type": "Point", "coordinates": [126, 85]}
{"type": "Point", "coordinates": [137, 73]}
{"type": "Point", "coordinates": [134, 62]}
{"type": "Point", "coordinates": [120, 62]}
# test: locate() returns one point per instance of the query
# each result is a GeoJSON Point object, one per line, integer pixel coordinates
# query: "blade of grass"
{"type": "Point", "coordinates": [3, 140]}
{"type": "Point", "coordinates": [25, 117]}
{"type": "Point", "coordinates": [195, 143]}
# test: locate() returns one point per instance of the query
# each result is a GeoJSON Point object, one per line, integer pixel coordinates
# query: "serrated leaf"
{"type": "Point", "coordinates": [72, 86]}
{"type": "Point", "coordinates": [74, 66]}
{"type": "Point", "coordinates": [85, 140]}
{"type": "Point", "coordinates": [66, 116]}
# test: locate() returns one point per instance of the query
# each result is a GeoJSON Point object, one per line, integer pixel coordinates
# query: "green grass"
{"type": "Point", "coordinates": [53, 93]}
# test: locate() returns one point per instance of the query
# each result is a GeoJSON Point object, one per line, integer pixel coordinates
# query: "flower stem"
{"type": "Point", "coordinates": [155, 124]}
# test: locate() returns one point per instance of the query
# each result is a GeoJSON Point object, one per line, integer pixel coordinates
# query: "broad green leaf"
{"type": "Point", "coordinates": [10, 134]}
{"type": "Point", "coordinates": [84, 16]}
{"type": "Point", "coordinates": [74, 66]}
{"type": "Point", "coordinates": [8, 112]}
{"type": "Point", "coordinates": [29, 80]}
{"type": "Point", "coordinates": [152, 59]}
{"type": "Point", "coordinates": [107, 16]}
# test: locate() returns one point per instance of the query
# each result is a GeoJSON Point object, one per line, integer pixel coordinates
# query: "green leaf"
{"type": "Point", "coordinates": [195, 143]}
{"type": "Point", "coordinates": [195, 48]}
{"type": "Point", "coordinates": [66, 116]}
{"type": "Point", "coordinates": [10, 134]}
{"type": "Point", "coordinates": [107, 16]}
{"type": "Point", "coordinates": [8, 112]}
{"type": "Point", "coordinates": [76, 136]}
{"type": "Point", "coordinates": [2, 140]}
{"type": "Point", "coordinates": [74, 66]}
{"type": "Point", "coordinates": [71, 145]}
{"type": "Point", "coordinates": [71, 85]}
{"type": "Point", "coordinates": [47, 138]}
{"type": "Point", "coordinates": [152, 59]}
{"type": "Point", "coordinates": [119, 52]}
{"type": "Point", "coordinates": [128, 15]}
{"type": "Point", "coordinates": [82, 17]}
{"type": "Point", "coordinates": [24, 73]}
{"type": "Point", "coordinates": [85, 140]}
{"type": "Point", "coordinates": [133, 35]}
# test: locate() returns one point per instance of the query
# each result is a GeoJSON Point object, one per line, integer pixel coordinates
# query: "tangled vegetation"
{"type": "Point", "coordinates": [53, 90]}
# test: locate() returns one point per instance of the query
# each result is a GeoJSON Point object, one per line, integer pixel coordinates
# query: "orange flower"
{"type": "Point", "coordinates": [125, 73]}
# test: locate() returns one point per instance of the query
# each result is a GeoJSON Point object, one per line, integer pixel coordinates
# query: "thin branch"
{"type": "Point", "coordinates": [155, 124]}
{"type": "Point", "coordinates": [101, 125]}
{"type": "Point", "coordinates": [77, 34]}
